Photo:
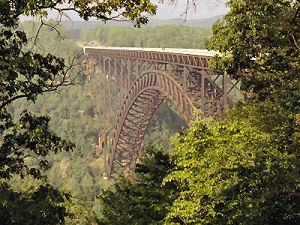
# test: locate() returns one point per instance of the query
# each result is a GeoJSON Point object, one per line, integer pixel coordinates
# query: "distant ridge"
{"type": "Point", "coordinates": [207, 22]}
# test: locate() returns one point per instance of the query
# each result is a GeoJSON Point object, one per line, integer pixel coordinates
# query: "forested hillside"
{"type": "Point", "coordinates": [74, 27]}
{"type": "Point", "coordinates": [80, 25]}
{"type": "Point", "coordinates": [171, 36]}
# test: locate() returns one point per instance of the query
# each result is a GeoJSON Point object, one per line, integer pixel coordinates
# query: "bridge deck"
{"type": "Point", "coordinates": [197, 58]}
{"type": "Point", "coordinates": [196, 52]}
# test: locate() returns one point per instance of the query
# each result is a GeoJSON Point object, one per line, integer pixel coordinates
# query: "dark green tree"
{"type": "Point", "coordinates": [27, 75]}
{"type": "Point", "coordinates": [233, 172]}
{"type": "Point", "coordinates": [243, 168]}
{"type": "Point", "coordinates": [140, 198]}
{"type": "Point", "coordinates": [260, 45]}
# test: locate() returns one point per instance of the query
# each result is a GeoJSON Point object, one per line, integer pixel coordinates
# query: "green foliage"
{"type": "Point", "coordinates": [242, 169]}
{"type": "Point", "coordinates": [80, 212]}
{"type": "Point", "coordinates": [170, 36]}
{"type": "Point", "coordinates": [26, 73]}
{"type": "Point", "coordinates": [42, 205]}
{"type": "Point", "coordinates": [134, 11]}
{"type": "Point", "coordinates": [80, 171]}
{"type": "Point", "coordinates": [238, 170]}
{"type": "Point", "coordinates": [140, 199]}
{"type": "Point", "coordinates": [259, 43]}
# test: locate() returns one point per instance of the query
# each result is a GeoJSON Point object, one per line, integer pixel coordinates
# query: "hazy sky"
{"type": "Point", "coordinates": [203, 10]}
{"type": "Point", "coordinates": [166, 11]}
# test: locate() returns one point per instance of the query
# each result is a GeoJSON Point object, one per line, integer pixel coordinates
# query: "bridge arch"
{"type": "Point", "coordinates": [145, 95]}
{"type": "Point", "coordinates": [182, 75]}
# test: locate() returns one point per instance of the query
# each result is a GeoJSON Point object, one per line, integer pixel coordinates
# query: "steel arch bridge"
{"type": "Point", "coordinates": [143, 77]}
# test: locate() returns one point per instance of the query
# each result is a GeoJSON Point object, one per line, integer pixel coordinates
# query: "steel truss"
{"type": "Point", "coordinates": [146, 78]}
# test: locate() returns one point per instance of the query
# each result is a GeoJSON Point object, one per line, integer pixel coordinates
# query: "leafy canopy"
{"type": "Point", "coordinates": [26, 74]}
{"type": "Point", "coordinates": [242, 169]}
{"type": "Point", "coordinates": [260, 44]}
{"type": "Point", "coordinates": [140, 199]}
{"type": "Point", "coordinates": [133, 10]}
{"type": "Point", "coordinates": [235, 171]}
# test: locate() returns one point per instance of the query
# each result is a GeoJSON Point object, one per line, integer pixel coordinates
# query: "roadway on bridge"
{"type": "Point", "coordinates": [202, 52]}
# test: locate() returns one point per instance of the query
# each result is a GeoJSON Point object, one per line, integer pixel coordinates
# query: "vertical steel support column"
{"type": "Point", "coordinates": [137, 68]}
{"type": "Point", "coordinates": [105, 96]}
{"type": "Point", "coordinates": [129, 72]}
{"type": "Point", "coordinates": [185, 75]}
{"type": "Point", "coordinates": [100, 137]}
{"type": "Point", "coordinates": [109, 87]}
{"type": "Point", "coordinates": [125, 78]}
{"type": "Point", "coordinates": [116, 107]}
{"type": "Point", "coordinates": [105, 115]}
{"type": "Point", "coordinates": [121, 82]}
{"type": "Point", "coordinates": [202, 92]}
{"type": "Point", "coordinates": [103, 66]}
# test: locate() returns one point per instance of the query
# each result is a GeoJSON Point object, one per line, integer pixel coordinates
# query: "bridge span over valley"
{"type": "Point", "coordinates": [140, 79]}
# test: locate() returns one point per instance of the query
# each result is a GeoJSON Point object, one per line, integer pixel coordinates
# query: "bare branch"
{"type": "Point", "coordinates": [295, 42]}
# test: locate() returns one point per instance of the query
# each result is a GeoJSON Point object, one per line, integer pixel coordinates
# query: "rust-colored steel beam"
{"type": "Point", "coordinates": [190, 60]}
